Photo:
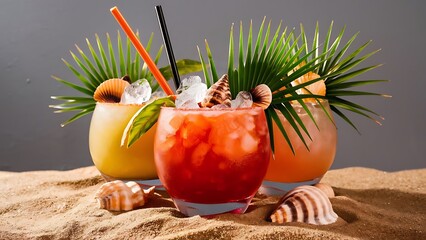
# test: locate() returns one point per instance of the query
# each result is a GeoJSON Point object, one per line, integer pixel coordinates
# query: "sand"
{"type": "Point", "coordinates": [371, 204]}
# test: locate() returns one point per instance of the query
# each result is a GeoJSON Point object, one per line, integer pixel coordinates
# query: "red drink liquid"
{"type": "Point", "coordinates": [211, 156]}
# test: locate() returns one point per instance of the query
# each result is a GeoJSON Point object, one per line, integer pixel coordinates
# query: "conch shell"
{"type": "Point", "coordinates": [327, 189]}
{"type": "Point", "coordinates": [110, 91]}
{"type": "Point", "coordinates": [306, 204]}
{"type": "Point", "coordinates": [120, 196]}
{"type": "Point", "coordinates": [262, 96]}
{"type": "Point", "coordinates": [218, 93]}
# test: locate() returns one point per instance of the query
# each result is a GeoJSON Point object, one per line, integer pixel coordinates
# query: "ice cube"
{"type": "Point", "coordinates": [158, 94]}
{"type": "Point", "coordinates": [191, 94]}
{"type": "Point", "coordinates": [192, 88]}
{"type": "Point", "coordinates": [136, 93]}
{"type": "Point", "coordinates": [186, 103]}
{"type": "Point", "coordinates": [199, 154]}
{"type": "Point", "coordinates": [198, 91]}
{"type": "Point", "coordinates": [249, 143]}
{"type": "Point", "coordinates": [219, 106]}
{"type": "Point", "coordinates": [188, 82]}
{"type": "Point", "coordinates": [242, 100]}
{"type": "Point", "coordinates": [249, 123]}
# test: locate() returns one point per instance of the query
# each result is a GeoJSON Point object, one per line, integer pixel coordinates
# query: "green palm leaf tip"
{"type": "Point", "coordinates": [101, 63]}
{"type": "Point", "coordinates": [268, 62]}
{"type": "Point", "coordinates": [339, 70]}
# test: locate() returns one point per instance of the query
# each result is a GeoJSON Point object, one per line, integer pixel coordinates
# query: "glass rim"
{"type": "Point", "coordinates": [120, 104]}
{"type": "Point", "coordinates": [213, 109]}
{"type": "Point", "coordinates": [315, 103]}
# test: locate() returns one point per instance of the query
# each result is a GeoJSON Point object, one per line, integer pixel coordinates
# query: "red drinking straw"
{"type": "Point", "coordinates": [141, 50]}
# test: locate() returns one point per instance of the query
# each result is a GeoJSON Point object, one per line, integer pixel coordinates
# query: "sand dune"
{"type": "Point", "coordinates": [371, 204]}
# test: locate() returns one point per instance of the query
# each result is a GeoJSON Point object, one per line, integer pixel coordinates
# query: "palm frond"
{"type": "Point", "coordinates": [268, 63]}
{"type": "Point", "coordinates": [104, 65]}
{"type": "Point", "coordinates": [338, 69]}
{"type": "Point", "coordinates": [287, 57]}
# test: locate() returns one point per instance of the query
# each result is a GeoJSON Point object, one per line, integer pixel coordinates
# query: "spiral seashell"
{"type": "Point", "coordinates": [110, 91]}
{"type": "Point", "coordinates": [327, 189]}
{"type": "Point", "coordinates": [306, 204]}
{"type": "Point", "coordinates": [218, 93]}
{"type": "Point", "coordinates": [262, 96]}
{"type": "Point", "coordinates": [120, 196]}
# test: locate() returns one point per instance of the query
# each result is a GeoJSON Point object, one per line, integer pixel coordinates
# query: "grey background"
{"type": "Point", "coordinates": [35, 35]}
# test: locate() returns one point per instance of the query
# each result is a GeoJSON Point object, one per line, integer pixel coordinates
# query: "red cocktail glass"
{"type": "Point", "coordinates": [211, 161]}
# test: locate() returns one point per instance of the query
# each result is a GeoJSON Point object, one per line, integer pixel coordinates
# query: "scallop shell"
{"type": "Point", "coordinates": [262, 96]}
{"type": "Point", "coordinates": [218, 93]}
{"type": "Point", "coordinates": [327, 189]}
{"type": "Point", "coordinates": [110, 90]}
{"type": "Point", "coordinates": [305, 204]}
{"type": "Point", "coordinates": [120, 196]}
{"type": "Point", "coordinates": [127, 79]}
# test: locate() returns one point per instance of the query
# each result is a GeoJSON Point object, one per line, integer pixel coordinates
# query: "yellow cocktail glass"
{"type": "Point", "coordinates": [112, 160]}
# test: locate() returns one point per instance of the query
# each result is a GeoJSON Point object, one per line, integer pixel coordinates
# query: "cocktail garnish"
{"type": "Point", "coordinates": [168, 44]}
{"type": "Point", "coordinates": [138, 92]}
{"type": "Point", "coordinates": [218, 93]}
{"type": "Point", "coordinates": [110, 91]}
{"type": "Point", "coordinates": [262, 96]}
{"type": "Point", "coordinates": [144, 119]}
{"type": "Point", "coordinates": [315, 88]}
{"type": "Point", "coordinates": [141, 50]}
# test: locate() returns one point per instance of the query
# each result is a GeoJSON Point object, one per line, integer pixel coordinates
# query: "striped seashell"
{"type": "Point", "coordinates": [306, 204]}
{"type": "Point", "coordinates": [218, 93]}
{"type": "Point", "coordinates": [262, 96]}
{"type": "Point", "coordinates": [120, 196]}
{"type": "Point", "coordinates": [110, 91]}
{"type": "Point", "coordinates": [327, 189]}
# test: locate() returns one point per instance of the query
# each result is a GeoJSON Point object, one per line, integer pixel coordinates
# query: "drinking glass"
{"type": "Point", "coordinates": [211, 161]}
{"type": "Point", "coordinates": [119, 162]}
{"type": "Point", "coordinates": [304, 166]}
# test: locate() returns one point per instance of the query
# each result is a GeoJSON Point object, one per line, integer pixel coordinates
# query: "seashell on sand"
{"type": "Point", "coordinates": [110, 91]}
{"type": "Point", "coordinates": [218, 93]}
{"type": "Point", "coordinates": [120, 196]}
{"type": "Point", "coordinates": [262, 96]}
{"type": "Point", "coordinates": [327, 189]}
{"type": "Point", "coordinates": [306, 204]}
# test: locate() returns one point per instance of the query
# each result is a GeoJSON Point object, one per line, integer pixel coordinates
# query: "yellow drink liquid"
{"type": "Point", "coordinates": [112, 160]}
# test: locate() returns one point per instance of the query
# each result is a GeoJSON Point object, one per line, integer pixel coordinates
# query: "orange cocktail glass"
{"type": "Point", "coordinates": [304, 166]}
{"type": "Point", "coordinates": [212, 161]}
{"type": "Point", "coordinates": [110, 158]}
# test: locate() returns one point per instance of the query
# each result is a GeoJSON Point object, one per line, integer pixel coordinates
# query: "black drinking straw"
{"type": "Point", "coordinates": [167, 43]}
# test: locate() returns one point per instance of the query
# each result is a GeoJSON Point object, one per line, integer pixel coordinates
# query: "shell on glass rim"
{"type": "Point", "coordinates": [306, 204]}
{"type": "Point", "coordinates": [110, 91]}
{"type": "Point", "coordinates": [218, 93]}
{"type": "Point", "coordinates": [262, 96]}
{"type": "Point", "coordinates": [120, 196]}
{"type": "Point", "coordinates": [327, 189]}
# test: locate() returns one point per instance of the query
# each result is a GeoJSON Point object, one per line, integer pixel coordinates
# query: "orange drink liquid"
{"type": "Point", "coordinates": [305, 166]}
{"type": "Point", "coordinates": [113, 161]}
{"type": "Point", "coordinates": [212, 161]}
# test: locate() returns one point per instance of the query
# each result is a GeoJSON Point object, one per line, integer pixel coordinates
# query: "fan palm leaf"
{"type": "Point", "coordinates": [338, 69]}
{"type": "Point", "coordinates": [271, 62]}
{"type": "Point", "coordinates": [105, 65]}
